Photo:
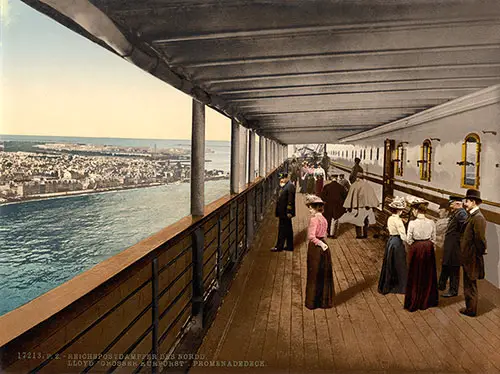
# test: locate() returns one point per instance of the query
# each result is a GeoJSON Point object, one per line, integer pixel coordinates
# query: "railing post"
{"type": "Point", "coordinates": [197, 240]}
{"type": "Point", "coordinates": [237, 231]}
{"type": "Point", "coordinates": [219, 252]}
{"type": "Point", "coordinates": [155, 315]}
{"type": "Point", "coordinates": [249, 219]}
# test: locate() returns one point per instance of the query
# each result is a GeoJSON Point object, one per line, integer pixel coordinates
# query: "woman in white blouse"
{"type": "Point", "coordinates": [394, 273]}
{"type": "Point", "coordinates": [421, 289]}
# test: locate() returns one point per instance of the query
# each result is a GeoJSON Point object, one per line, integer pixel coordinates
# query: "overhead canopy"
{"type": "Point", "coordinates": [313, 71]}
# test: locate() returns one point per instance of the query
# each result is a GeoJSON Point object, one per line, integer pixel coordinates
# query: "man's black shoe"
{"type": "Point", "coordinates": [467, 313]}
{"type": "Point", "coordinates": [289, 250]}
{"type": "Point", "coordinates": [449, 294]}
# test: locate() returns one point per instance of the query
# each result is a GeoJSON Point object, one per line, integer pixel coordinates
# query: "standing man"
{"type": "Point", "coordinates": [325, 164]}
{"type": "Point", "coordinates": [355, 170]}
{"type": "Point", "coordinates": [285, 211]}
{"type": "Point", "coordinates": [333, 195]}
{"type": "Point", "coordinates": [344, 182]}
{"type": "Point", "coordinates": [451, 257]}
{"type": "Point", "coordinates": [472, 250]}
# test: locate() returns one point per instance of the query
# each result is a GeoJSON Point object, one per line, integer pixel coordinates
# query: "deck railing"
{"type": "Point", "coordinates": [139, 316]}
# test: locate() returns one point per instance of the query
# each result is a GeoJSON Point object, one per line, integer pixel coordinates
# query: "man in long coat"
{"type": "Point", "coordinates": [285, 211]}
{"type": "Point", "coordinates": [360, 201]}
{"type": "Point", "coordinates": [343, 182]}
{"type": "Point", "coordinates": [472, 250]}
{"type": "Point", "coordinates": [451, 257]}
{"type": "Point", "coordinates": [333, 195]}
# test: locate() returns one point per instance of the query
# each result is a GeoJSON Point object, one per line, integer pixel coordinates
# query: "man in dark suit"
{"type": "Point", "coordinates": [451, 262]}
{"type": "Point", "coordinates": [472, 250]}
{"type": "Point", "coordinates": [333, 195]}
{"type": "Point", "coordinates": [285, 210]}
{"type": "Point", "coordinates": [355, 170]}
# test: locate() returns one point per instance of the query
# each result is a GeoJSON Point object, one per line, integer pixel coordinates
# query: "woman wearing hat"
{"type": "Point", "coordinates": [319, 287]}
{"type": "Point", "coordinates": [421, 288]}
{"type": "Point", "coordinates": [394, 273]}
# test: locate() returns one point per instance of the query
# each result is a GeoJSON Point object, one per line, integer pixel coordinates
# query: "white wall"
{"type": "Point", "coordinates": [450, 122]}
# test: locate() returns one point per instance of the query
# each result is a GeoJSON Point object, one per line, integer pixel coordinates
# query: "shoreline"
{"type": "Point", "coordinates": [58, 195]}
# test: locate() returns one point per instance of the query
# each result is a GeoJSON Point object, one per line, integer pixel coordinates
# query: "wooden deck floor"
{"type": "Point", "coordinates": [263, 318]}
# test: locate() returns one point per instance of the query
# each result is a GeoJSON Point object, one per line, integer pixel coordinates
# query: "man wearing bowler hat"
{"type": "Point", "coordinates": [285, 210]}
{"type": "Point", "coordinates": [450, 268]}
{"type": "Point", "coordinates": [472, 249]}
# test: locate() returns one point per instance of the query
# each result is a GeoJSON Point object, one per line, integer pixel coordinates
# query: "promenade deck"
{"type": "Point", "coordinates": [263, 317]}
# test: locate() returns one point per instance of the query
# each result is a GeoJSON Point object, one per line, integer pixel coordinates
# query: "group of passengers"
{"type": "Point", "coordinates": [409, 264]}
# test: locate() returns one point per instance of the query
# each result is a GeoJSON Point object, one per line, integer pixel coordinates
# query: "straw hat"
{"type": "Point", "coordinates": [313, 199]}
{"type": "Point", "coordinates": [412, 200]}
{"type": "Point", "coordinates": [398, 203]}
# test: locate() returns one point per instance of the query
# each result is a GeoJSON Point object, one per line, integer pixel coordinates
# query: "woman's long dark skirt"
{"type": "Point", "coordinates": [319, 288]}
{"type": "Point", "coordinates": [310, 184]}
{"type": "Point", "coordinates": [394, 273]}
{"type": "Point", "coordinates": [421, 289]}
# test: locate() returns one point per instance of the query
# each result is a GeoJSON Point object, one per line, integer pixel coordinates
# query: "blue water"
{"type": "Point", "coordinates": [47, 242]}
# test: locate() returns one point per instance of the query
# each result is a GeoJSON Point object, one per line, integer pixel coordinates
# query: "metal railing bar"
{"type": "Point", "coordinates": [209, 244]}
{"type": "Point", "coordinates": [116, 339]}
{"type": "Point", "coordinates": [131, 348]}
{"type": "Point", "coordinates": [210, 257]}
{"type": "Point", "coordinates": [90, 327]}
{"type": "Point", "coordinates": [174, 301]}
{"type": "Point", "coordinates": [171, 284]}
{"type": "Point", "coordinates": [208, 275]}
{"type": "Point", "coordinates": [164, 335]}
{"type": "Point", "coordinates": [174, 260]}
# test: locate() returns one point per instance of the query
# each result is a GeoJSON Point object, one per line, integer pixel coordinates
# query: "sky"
{"type": "Point", "coordinates": [56, 82]}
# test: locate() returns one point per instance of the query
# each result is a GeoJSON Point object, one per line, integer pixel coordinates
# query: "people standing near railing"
{"type": "Point", "coordinates": [310, 180]}
{"type": "Point", "coordinates": [303, 176]}
{"type": "Point", "coordinates": [472, 249]}
{"type": "Point", "coordinates": [319, 287]}
{"type": "Point", "coordinates": [294, 172]}
{"type": "Point", "coordinates": [325, 164]}
{"type": "Point", "coordinates": [450, 268]}
{"type": "Point", "coordinates": [333, 195]}
{"type": "Point", "coordinates": [394, 273]}
{"type": "Point", "coordinates": [355, 170]}
{"type": "Point", "coordinates": [421, 288]}
{"type": "Point", "coordinates": [285, 211]}
{"type": "Point", "coordinates": [320, 177]}
{"type": "Point", "coordinates": [360, 201]}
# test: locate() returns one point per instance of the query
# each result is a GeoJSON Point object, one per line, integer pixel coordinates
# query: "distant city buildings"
{"type": "Point", "coordinates": [26, 175]}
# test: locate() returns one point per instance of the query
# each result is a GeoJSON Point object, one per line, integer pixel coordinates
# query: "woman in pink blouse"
{"type": "Point", "coordinates": [319, 288]}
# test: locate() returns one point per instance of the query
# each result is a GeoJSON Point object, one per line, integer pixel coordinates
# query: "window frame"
{"type": "Point", "coordinates": [398, 161]}
{"type": "Point", "coordinates": [425, 164]}
{"type": "Point", "coordinates": [464, 161]}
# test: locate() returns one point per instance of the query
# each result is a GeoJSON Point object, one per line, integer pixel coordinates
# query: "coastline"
{"type": "Point", "coordinates": [58, 195]}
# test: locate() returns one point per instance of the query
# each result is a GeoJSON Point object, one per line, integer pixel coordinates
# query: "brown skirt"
{"type": "Point", "coordinates": [421, 288]}
{"type": "Point", "coordinates": [319, 288]}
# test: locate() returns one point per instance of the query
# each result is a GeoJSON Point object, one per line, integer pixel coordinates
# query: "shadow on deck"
{"type": "Point", "coordinates": [263, 320]}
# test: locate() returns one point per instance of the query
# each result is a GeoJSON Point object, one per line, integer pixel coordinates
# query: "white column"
{"type": "Point", "coordinates": [243, 158]}
{"type": "Point", "coordinates": [235, 156]}
{"type": "Point", "coordinates": [198, 159]}
{"type": "Point", "coordinates": [251, 156]}
{"type": "Point", "coordinates": [262, 155]}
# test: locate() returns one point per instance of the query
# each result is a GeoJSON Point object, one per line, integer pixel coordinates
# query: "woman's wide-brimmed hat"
{"type": "Point", "coordinates": [398, 203]}
{"type": "Point", "coordinates": [313, 199]}
{"type": "Point", "coordinates": [473, 195]}
{"type": "Point", "coordinates": [413, 200]}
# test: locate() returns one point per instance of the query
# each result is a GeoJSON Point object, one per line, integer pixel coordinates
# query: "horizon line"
{"type": "Point", "coordinates": [111, 137]}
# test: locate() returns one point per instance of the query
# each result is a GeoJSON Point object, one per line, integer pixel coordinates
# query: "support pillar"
{"type": "Point", "coordinates": [198, 159]}
{"type": "Point", "coordinates": [243, 158]}
{"type": "Point", "coordinates": [235, 156]}
{"type": "Point", "coordinates": [251, 156]}
{"type": "Point", "coordinates": [262, 155]}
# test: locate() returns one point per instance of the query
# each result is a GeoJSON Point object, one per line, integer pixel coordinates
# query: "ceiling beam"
{"type": "Point", "coordinates": [329, 55]}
